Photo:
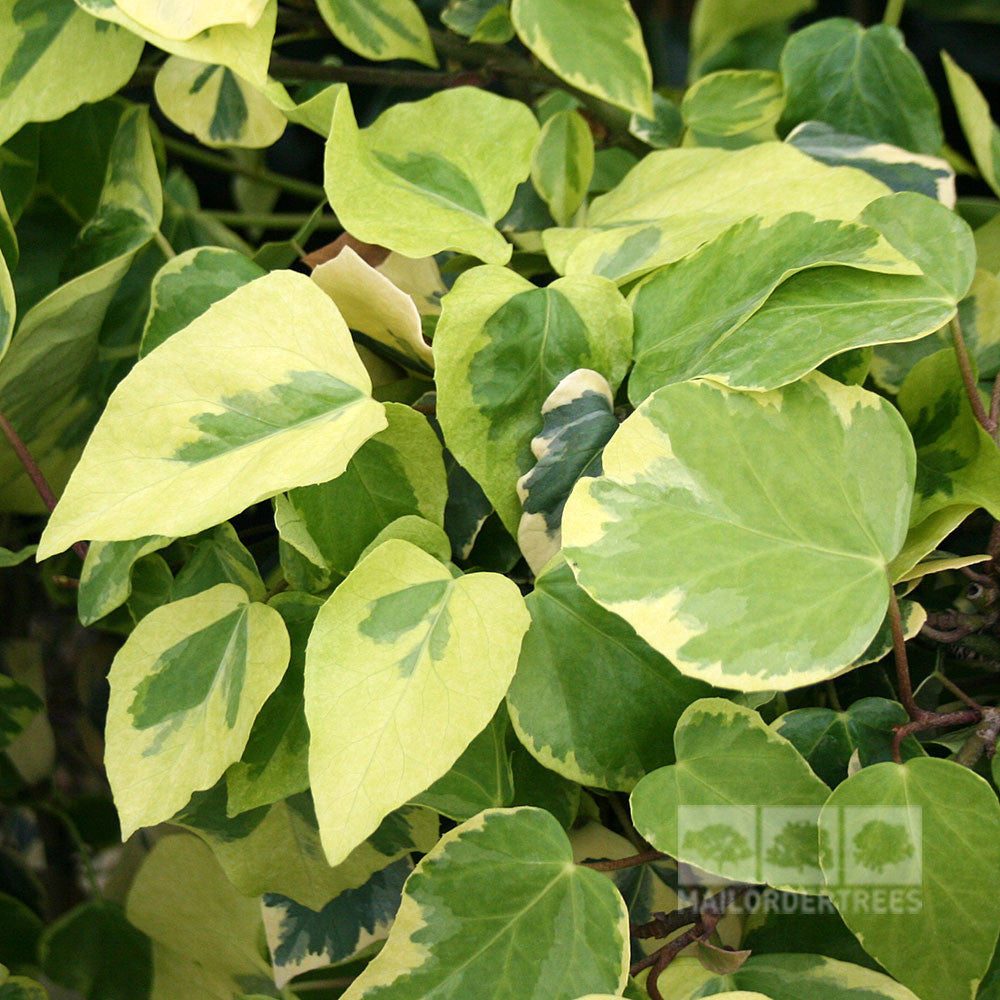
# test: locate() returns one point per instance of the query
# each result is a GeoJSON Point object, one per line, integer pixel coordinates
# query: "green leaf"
{"type": "Point", "coordinates": [380, 29]}
{"type": "Point", "coordinates": [900, 169]}
{"type": "Point", "coordinates": [417, 651]}
{"type": "Point", "coordinates": [275, 761]}
{"type": "Point", "coordinates": [185, 690]}
{"type": "Point", "coordinates": [862, 81]}
{"type": "Point", "coordinates": [674, 200]}
{"type": "Point", "coordinates": [186, 18]}
{"type": "Point", "coordinates": [106, 577]}
{"type": "Point", "coordinates": [828, 738]}
{"type": "Point", "coordinates": [398, 472]}
{"type": "Point", "coordinates": [661, 131]}
{"type": "Point", "coordinates": [8, 307]}
{"type": "Point", "coordinates": [502, 345]}
{"type": "Point", "coordinates": [539, 786]}
{"type": "Point", "coordinates": [605, 726]}
{"type": "Point", "coordinates": [536, 918]}
{"type": "Point", "coordinates": [48, 386]}
{"type": "Point", "coordinates": [915, 826]}
{"type": "Point", "coordinates": [715, 23]}
{"type": "Point", "coordinates": [733, 108]}
{"type": "Point", "coordinates": [562, 164]}
{"type": "Point", "coordinates": [18, 706]}
{"type": "Point", "coordinates": [54, 57]}
{"type": "Point", "coordinates": [410, 528]}
{"type": "Point", "coordinates": [277, 848]}
{"type": "Point", "coordinates": [480, 779]}
{"type": "Point", "coordinates": [787, 295]}
{"type": "Point", "coordinates": [578, 420]}
{"type": "Point", "coordinates": [187, 285]}
{"type": "Point", "coordinates": [594, 45]}
{"type": "Point", "coordinates": [782, 977]}
{"type": "Point", "coordinates": [205, 935]}
{"type": "Point", "coordinates": [958, 463]}
{"type": "Point", "coordinates": [20, 988]}
{"type": "Point", "coordinates": [238, 433]}
{"type": "Point", "coordinates": [426, 176]}
{"type": "Point", "coordinates": [245, 50]}
{"type": "Point", "coordinates": [974, 114]}
{"type": "Point", "coordinates": [20, 928]}
{"type": "Point", "coordinates": [480, 20]}
{"type": "Point", "coordinates": [215, 105]}
{"type": "Point", "coordinates": [95, 951]}
{"type": "Point", "coordinates": [9, 558]}
{"type": "Point", "coordinates": [301, 939]}
{"type": "Point", "coordinates": [740, 802]}
{"type": "Point", "coordinates": [751, 532]}
{"type": "Point", "coordinates": [387, 318]}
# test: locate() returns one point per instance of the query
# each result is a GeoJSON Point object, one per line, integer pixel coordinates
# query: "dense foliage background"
{"type": "Point", "coordinates": [499, 499]}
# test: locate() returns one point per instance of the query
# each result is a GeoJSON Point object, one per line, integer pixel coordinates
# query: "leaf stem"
{"type": "Point", "coordinates": [619, 863]}
{"type": "Point", "coordinates": [79, 843]}
{"type": "Point", "coordinates": [374, 76]}
{"type": "Point", "coordinates": [902, 662]}
{"type": "Point", "coordinates": [969, 381]}
{"type": "Point", "coordinates": [35, 474]}
{"type": "Point", "coordinates": [164, 244]}
{"type": "Point", "coordinates": [271, 220]}
{"type": "Point", "coordinates": [893, 12]}
{"type": "Point", "coordinates": [983, 740]}
{"type": "Point", "coordinates": [188, 151]}
{"type": "Point", "coordinates": [958, 692]}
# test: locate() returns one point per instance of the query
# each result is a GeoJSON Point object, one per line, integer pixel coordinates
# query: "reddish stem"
{"type": "Point", "coordinates": [633, 861]}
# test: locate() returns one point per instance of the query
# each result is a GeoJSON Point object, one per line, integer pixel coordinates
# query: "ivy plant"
{"type": "Point", "coordinates": [496, 505]}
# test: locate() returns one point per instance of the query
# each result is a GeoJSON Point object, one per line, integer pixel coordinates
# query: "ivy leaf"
{"type": "Point", "coordinates": [789, 296]}
{"type": "Point", "coordinates": [900, 169]}
{"type": "Point", "coordinates": [238, 432]}
{"type": "Point", "coordinates": [924, 820]}
{"type": "Point", "coordinates": [214, 105]}
{"type": "Point", "coordinates": [106, 577]}
{"type": "Point", "coordinates": [417, 650]}
{"type": "Point", "coordinates": [9, 558]}
{"type": "Point", "coordinates": [862, 81]}
{"type": "Point", "coordinates": [605, 726]}
{"type": "Point", "coordinates": [301, 939]}
{"type": "Point", "coordinates": [399, 472]}
{"type": "Point", "coordinates": [205, 935]}
{"type": "Point", "coordinates": [733, 108]}
{"type": "Point", "coordinates": [186, 18]}
{"type": "Point", "coordinates": [425, 177]}
{"type": "Point", "coordinates": [719, 561]}
{"type": "Point", "coordinates": [674, 200]}
{"type": "Point", "coordinates": [20, 988]}
{"type": "Point", "coordinates": [246, 50]}
{"type": "Point", "coordinates": [828, 738]}
{"type": "Point", "coordinates": [380, 29]}
{"type": "Point", "coordinates": [578, 420]}
{"type": "Point", "coordinates": [502, 345]}
{"type": "Point", "coordinates": [47, 388]}
{"type": "Point", "coordinates": [562, 164]}
{"type": "Point", "coordinates": [185, 689]}
{"type": "Point", "coordinates": [608, 59]}
{"type": "Point", "coordinates": [18, 706]}
{"type": "Point", "coordinates": [386, 317]}
{"type": "Point", "coordinates": [537, 918]}
{"type": "Point", "coordinates": [55, 57]}
{"type": "Point", "coordinates": [782, 977]}
{"type": "Point", "coordinates": [974, 115]}
{"type": "Point", "coordinates": [733, 777]}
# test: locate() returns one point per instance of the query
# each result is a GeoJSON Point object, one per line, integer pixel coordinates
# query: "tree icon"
{"type": "Point", "coordinates": [879, 844]}
{"type": "Point", "coordinates": [718, 843]}
{"type": "Point", "coordinates": [796, 847]}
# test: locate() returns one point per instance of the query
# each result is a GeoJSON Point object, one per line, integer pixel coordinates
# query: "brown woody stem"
{"type": "Point", "coordinates": [617, 864]}
{"type": "Point", "coordinates": [969, 380]}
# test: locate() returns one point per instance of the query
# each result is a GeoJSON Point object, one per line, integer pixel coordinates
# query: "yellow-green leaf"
{"type": "Point", "coordinates": [380, 29]}
{"type": "Point", "coordinates": [186, 18]}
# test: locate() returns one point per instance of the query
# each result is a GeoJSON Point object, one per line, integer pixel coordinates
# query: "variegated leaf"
{"type": "Point", "coordinates": [608, 59]}
{"type": "Point", "coordinates": [185, 18]}
{"type": "Point", "coordinates": [399, 472]}
{"type": "Point", "coordinates": [245, 50]}
{"type": "Point", "coordinates": [674, 200]}
{"type": "Point", "coordinates": [974, 114]}
{"type": "Point", "coordinates": [185, 690]}
{"type": "Point", "coordinates": [900, 169]}
{"type": "Point", "coordinates": [501, 346]}
{"type": "Point", "coordinates": [264, 392]}
{"type": "Point", "coordinates": [401, 649]}
{"type": "Point", "coordinates": [578, 419]}
{"type": "Point", "coordinates": [733, 108]}
{"type": "Point", "coordinates": [426, 177]}
{"type": "Point", "coordinates": [786, 293]}
{"type": "Point", "coordinates": [590, 699]}
{"type": "Point", "coordinates": [218, 556]}
{"type": "Point", "coordinates": [537, 918]}
{"type": "Point", "coordinates": [18, 706]}
{"type": "Point", "coordinates": [562, 164]}
{"type": "Point", "coordinates": [47, 381]}
{"type": "Point", "coordinates": [55, 57]}
{"type": "Point", "coordinates": [106, 577]}
{"type": "Point", "coordinates": [751, 532]}
{"type": "Point", "coordinates": [215, 105]}
{"type": "Point", "coordinates": [380, 29]}
{"type": "Point", "coordinates": [374, 307]}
